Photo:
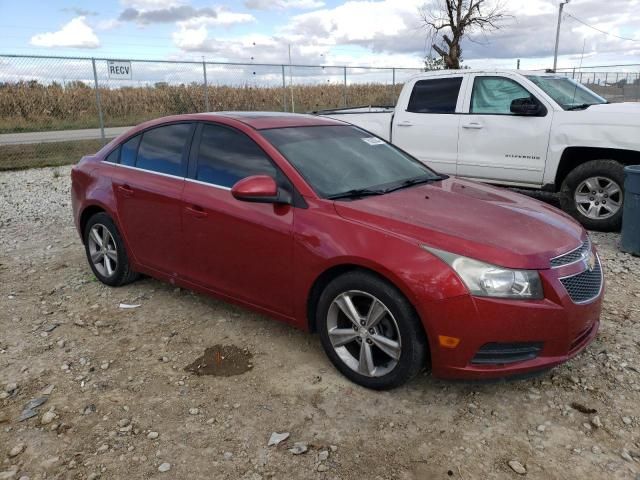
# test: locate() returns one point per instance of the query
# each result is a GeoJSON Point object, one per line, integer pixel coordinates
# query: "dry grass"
{"type": "Point", "coordinates": [19, 157]}
{"type": "Point", "coordinates": [31, 106]}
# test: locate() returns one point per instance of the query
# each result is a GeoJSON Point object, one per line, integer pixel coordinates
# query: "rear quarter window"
{"type": "Point", "coordinates": [113, 157]}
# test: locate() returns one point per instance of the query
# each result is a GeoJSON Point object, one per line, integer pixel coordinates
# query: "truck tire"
{"type": "Point", "coordinates": [592, 193]}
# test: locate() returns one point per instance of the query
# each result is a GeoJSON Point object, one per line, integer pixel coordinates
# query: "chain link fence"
{"type": "Point", "coordinates": [614, 86]}
{"type": "Point", "coordinates": [53, 110]}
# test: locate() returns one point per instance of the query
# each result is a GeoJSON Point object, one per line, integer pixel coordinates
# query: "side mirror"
{"type": "Point", "coordinates": [259, 189]}
{"type": "Point", "coordinates": [527, 106]}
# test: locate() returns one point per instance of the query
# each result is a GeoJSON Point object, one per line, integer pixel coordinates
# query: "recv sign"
{"type": "Point", "coordinates": [119, 69]}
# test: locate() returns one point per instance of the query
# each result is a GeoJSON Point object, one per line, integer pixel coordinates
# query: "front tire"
{"type": "Point", "coordinates": [106, 253]}
{"type": "Point", "coordinates": [370, 332]}
{"type": "Point", "coordinates": [592, 194]}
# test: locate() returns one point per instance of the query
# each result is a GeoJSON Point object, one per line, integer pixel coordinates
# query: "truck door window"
{"type": "Point", "coordinates": [493, 95]}
{"type": "Point", "coordinates": [439, 95]}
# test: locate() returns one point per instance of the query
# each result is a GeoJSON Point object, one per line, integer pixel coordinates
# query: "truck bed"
{"type": "Point", "coordinates": [373, 118]}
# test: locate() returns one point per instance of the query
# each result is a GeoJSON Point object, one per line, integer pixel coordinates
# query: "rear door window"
{"type": "Point", "coordinates": [438, 95]}
{"type": "Point", "coordinates": [129, 151]}
{"type": "Point", "coordinates": [162, 149]}
{"type": "Point", "coordinates": [226, 155]}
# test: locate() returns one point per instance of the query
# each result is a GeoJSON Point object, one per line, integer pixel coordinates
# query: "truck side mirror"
{"type": "Point", "coordinates": [527, 107]}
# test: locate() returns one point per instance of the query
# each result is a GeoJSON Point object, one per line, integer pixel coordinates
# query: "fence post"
{"type": "Point", "coordinates": [206, 87]}
{"type": "Point", "coordinates": [344, 88]}
{"type": "Point", "coordinates": [393, 86]}
{"type": "Point", "coordinates": [284, 90]}
{"type": "Point", "coordinates": [99, 105]}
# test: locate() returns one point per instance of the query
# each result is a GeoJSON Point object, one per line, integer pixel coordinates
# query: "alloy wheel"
{"type": "Point", "coordinates": [598, 198]}
{"type": "Point", "coordinates": [102, 249]}
{"type": "Point", "coordinates": [364, 333]}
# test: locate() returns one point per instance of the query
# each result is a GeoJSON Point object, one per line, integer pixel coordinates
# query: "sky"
{"type": "Point", "coordinates": [330, 32]}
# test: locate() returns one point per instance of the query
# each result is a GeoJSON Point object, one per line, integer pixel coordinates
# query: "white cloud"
{"type": "Point", "coordinates": [222, 18]}
{"type": "Point", "coordinates": [75, 34]}
{"type": "Point", "coordinates": [152, 4]}
{"type": "Point", "coordinates": [108, 24]}
{"type": "Point", "coordinates": [283, 4]}
{"type": "Point", "coordinates": [389, 33]}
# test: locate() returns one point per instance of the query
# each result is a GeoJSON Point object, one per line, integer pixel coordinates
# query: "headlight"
{"type": "Point", "coordinates": [486, 280]}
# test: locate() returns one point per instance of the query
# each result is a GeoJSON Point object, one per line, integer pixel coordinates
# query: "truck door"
{"type": "Point", "coordinates": [496, 143]}
{"type": "Point", "coordinates": [426, 124]}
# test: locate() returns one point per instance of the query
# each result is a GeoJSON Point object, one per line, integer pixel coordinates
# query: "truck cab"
{"type": "Point", "coordinates": [525, 129]}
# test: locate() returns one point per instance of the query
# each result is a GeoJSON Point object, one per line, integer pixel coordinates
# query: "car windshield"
{"type": "Point", "coordinates": [337, 160]}
{"type": "Point", "coordinates": [568, 93]}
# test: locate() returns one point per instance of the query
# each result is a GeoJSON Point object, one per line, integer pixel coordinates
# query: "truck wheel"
{"type": "Point", "coordinates": [592, 194]}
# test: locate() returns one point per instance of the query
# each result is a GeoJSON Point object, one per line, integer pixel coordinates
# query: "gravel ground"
{"type": "Point", "coordinates": [119, 404]}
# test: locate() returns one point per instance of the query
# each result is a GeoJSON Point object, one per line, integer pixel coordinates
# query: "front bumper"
{"type": "Point", "coordinates": [557, 327]}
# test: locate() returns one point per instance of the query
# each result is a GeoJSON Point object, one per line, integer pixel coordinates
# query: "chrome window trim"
{"type": "Point", "coordinates": [214, 185]}
{"type": "Point", "coordinates": [593, 299]}
{"type": "Point", "coordinates": [144, 170]}
{"type": "Point", "coordinates": [221, 187]}
{"type": "Point", "coordinates": [581, 259]}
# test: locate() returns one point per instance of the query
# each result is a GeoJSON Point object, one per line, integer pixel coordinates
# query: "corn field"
{"type": "Point", "coordinates": [32, 106]}
{"type": "Point", "coordinates": [47, 95]}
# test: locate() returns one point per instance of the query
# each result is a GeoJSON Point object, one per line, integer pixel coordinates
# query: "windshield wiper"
{"type": "Point", "coordinates": [583, 106]}
{"type": "Point", "coordinates": [357, 193]}
{"type": "Point", "coordinates": [415, 181]}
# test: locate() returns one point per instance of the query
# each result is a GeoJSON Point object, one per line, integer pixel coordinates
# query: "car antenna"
{"type": "Point", "coordinates": [575, 90]}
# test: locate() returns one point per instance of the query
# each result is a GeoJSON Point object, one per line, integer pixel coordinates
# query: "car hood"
{"type": "Point", "coordinates": [467, 218]}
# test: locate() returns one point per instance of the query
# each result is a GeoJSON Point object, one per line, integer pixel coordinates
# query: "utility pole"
{"type": "Point", "coordinates": [555, 55]}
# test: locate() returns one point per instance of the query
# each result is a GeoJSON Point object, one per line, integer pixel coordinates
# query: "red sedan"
{"type": "Point", "coordinates": [324, 226]}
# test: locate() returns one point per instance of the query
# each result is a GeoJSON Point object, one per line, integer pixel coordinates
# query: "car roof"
{"type": "Point", "coordinates": [265, 120]}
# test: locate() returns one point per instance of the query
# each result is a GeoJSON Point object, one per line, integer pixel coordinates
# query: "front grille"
{"type": "Point", "coordinates": [573, 256]}
{"type": "Point", "coordinates": [501, 353]}
{"type": "Point", "coordinates": [584, 286]}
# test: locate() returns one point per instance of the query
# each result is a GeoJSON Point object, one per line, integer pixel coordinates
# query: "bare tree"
{"type": "Point", "coordinates": [448, 21]}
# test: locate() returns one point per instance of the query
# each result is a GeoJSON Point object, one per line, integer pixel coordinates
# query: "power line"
{"type": "Point", "coordinates": [601, 31]}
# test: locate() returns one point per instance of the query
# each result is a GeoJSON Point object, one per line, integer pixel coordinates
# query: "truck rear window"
{"type": "Point", "coordinates": [438, 95]}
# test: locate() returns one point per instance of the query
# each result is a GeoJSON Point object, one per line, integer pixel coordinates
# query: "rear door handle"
{"type": "Point", "coordinates": [472, 126]}
{"type": "Point", "coordinates": [126, 190]}
{"type": "Point", "coordinates": [404, 124]}
{"type": "Point", "coordinates": [196, 211]}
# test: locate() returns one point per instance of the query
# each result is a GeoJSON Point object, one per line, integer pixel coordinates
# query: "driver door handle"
{"type": "Point", "coordinates": [126, 190]}
{"type": "Point", "coordinates": [404, 124]}
{"type": "Point", "coordinates": [472, 126]}
{"type": "Point", "coordinates": [196, 211]}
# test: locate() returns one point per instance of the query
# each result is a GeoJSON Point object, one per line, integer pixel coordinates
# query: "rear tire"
{"type": "Point", "coordinates": [382, 344]}
{"type": "Point", "coordinates": [106, 253]}
{"type": "Point", "coordinates": [592, 194]}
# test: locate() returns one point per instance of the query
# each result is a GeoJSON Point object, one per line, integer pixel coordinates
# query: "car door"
{"type": "Point", "coordinates": [148, 188]}
{"type": "Point", "coordinates": [496, 144]}
{"type": "Point", "coordinates": [426, 124]}
{"type": "Point", "coordinates": [240, 249]}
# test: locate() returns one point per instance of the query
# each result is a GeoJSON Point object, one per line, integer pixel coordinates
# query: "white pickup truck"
{"type": "Point", "coordinates": [523, 129]}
